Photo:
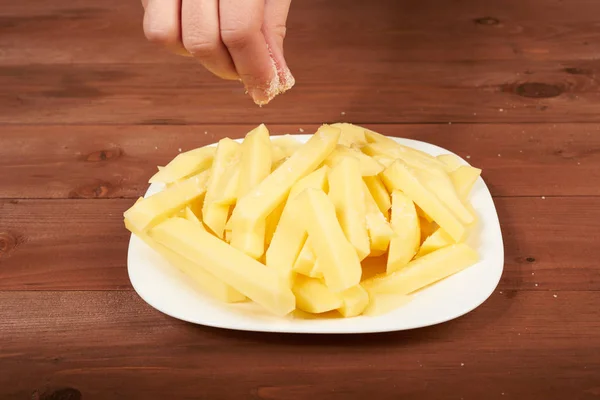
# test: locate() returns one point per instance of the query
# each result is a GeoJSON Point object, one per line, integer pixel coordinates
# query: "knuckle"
{"type": "Point", "coordinates": [279, 30]}
{"type": "Point", "coordinates": [159, 35]}
{"type": "Point", "coordinates": [200, 47]}
{"type": "Point", "coordinates": [236, 37]}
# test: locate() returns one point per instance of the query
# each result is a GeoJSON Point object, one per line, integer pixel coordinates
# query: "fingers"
{"type": "Point", "coordinates": [201, 37]}
{"type": "Point", "coordinates": [162, 25]}
{"type": "Point", "coordinates": [274, 30]}
{"type": "Point", "coordinates": [241, 23]}
{"type": "Point", "coordinates": [231, 38]}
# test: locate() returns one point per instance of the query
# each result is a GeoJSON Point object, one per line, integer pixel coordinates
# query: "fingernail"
{"type": "Point", "coordinates": [264, 94]}
{"type": "Point", "coordinates": [259, 96]}
{"type": "Point", "coordinates": [287, 80]}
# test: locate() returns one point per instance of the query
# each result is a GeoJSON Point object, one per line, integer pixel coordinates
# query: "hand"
{"type": "Point", "coordinates": [233, 39]}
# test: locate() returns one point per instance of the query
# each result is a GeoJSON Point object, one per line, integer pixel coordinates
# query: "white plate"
{"type": "Point", "coordinates": [166, 289]}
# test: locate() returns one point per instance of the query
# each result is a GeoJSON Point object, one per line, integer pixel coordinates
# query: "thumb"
{"type": "Point", "coordinates": [274, 31]}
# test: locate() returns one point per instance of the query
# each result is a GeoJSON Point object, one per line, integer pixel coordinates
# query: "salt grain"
{"type": "Point", "coordinates": [500, 292]}
{"type": "Point", "coordinates": [343, 113]}
{"type": "Point", "coordinates": [468, 157]}
{"type": "Point", "coordinates": [155, 147]}
{"type": "Point", "coordinates": [462, 364]}
{"type": "Point", "coordinates": [300, 130]}
{"type": "Point", "coordinates": [533, 273]}
{"type": "Point", "coordinates": [536, 285]}
{"type": "Point", "coordinates": [206, 132]}
{"type": "Point", "coordinates": [179, 149]}
{"type": "Point", "coordinates": [501, 109]}
{"type": "Point", "coordinates": [543, 197]}
{"type": "Point", "coordinates": [555, 296]}
{"type": "Point", "coordinates": [499, 155]}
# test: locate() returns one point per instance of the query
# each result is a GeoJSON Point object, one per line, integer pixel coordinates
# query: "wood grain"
{"type": "Point", "coordinates": [108, 162]}
{"type": "Point", "coordinates": [361, 91]}
{"type": "Point", "coordinates": [549, 244]}
{"type": "Point", "coordinates": [471, 63]}
{"type": "Point", "coordinates": [110, 31]}
{"type": "Point", "coordinates": [88, 109]}
{"type": "Point", "coordinates": [46, 244]}
{"type": "Point", "coordinates": [112, 345]}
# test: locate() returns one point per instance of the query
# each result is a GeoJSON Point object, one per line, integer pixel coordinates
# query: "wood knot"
{"type": "Point", "coordinates": [530, 259]}
{"type": "Point", "coordinates": [487, 21]}
{"type": "Point", "coordinates": [8, 243]}
{"type": "Point", "coordinates": [104, 155]}
{"type": "Point", "coordinates": [97, 190]}
{"type": "Point", "coordinates": [567, 154]}
{"type": "Point", "coordinates": [62, 394]}
{"type": "Point", "coordinates": [538, 90]}
{"type": "Point", "coordinates": [163, 121]}
{"type": "Point", "coordinates": [577, 71]}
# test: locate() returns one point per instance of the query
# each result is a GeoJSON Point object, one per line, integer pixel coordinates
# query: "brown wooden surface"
{"type": "Point", "coordinates": [88, 109]}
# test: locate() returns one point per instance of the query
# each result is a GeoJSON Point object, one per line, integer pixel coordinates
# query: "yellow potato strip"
{"type": "Point", "coordinates": [272, 191]}
{"type": "Point", "coordinates": [258, 282]}
{"type": "Point", "coordinates": [151, 210]}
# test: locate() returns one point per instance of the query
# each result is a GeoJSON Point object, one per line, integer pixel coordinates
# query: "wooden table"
{"type": "Point", "coordinates": [88, 109]}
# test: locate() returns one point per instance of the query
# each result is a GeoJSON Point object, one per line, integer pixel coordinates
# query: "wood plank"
{"type": "Point", "coordinates": [550, 244]}
{"type": "Point", "coordinates": [362, 90]}
{"type": "Point", "coordinates": [465, 65]}
{"type": "Point", "coordinates": [430, 30]}
{"type": "Point", "coordinates": [66, 245]}
{"type": "Point", "coordinates": [98, 345]}
{"type": "Point", "coordinates": [116, 161]}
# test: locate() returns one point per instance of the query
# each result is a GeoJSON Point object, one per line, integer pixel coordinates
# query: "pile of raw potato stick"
{"type": "Point", "coordinates": [349, 221]}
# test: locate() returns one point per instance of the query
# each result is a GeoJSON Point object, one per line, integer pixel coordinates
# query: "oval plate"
{"type": "Point", "coordinates": [166, 288]}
